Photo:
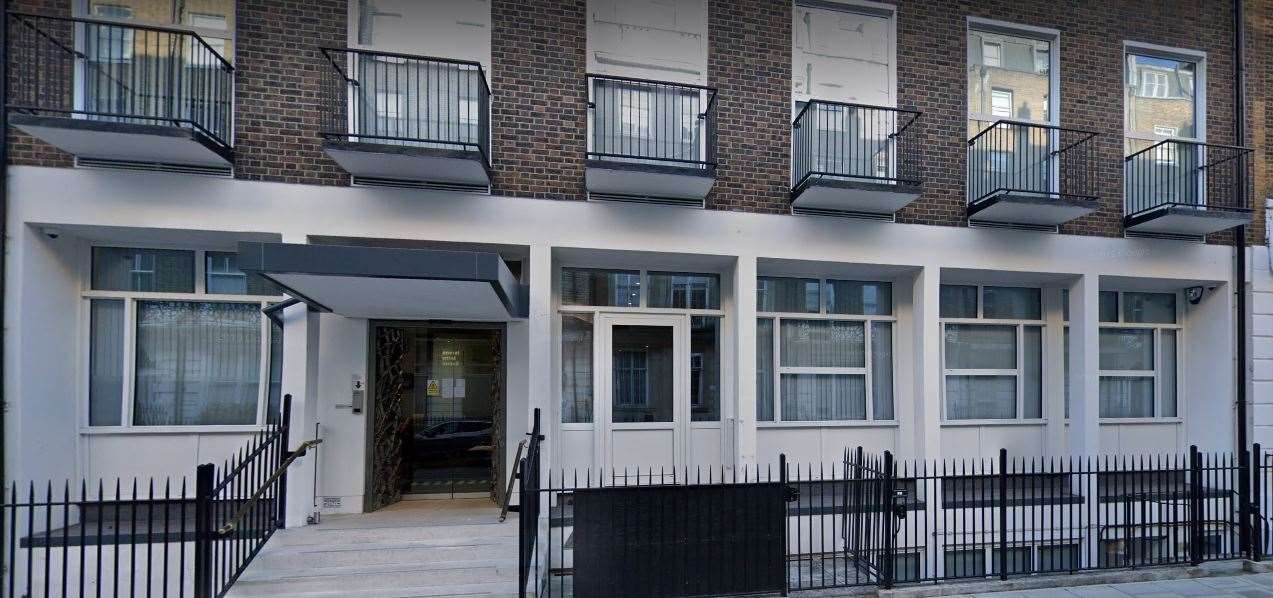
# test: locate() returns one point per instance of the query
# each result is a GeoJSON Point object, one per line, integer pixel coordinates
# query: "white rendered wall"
{"type": "Point", "coordinates": [1261, 327]}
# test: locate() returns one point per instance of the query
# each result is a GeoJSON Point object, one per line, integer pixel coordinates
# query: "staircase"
{"type": "Point", "coordinates": [413, 548]}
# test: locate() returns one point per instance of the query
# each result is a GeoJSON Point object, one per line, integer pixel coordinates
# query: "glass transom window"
{"type": "Point", "coordinates": [992, 351]}
{"type": "Point", "coordinates": [824, 350]}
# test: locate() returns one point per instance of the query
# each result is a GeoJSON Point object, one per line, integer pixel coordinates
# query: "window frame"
{"type": "Point", "coordinates": [1176, 326]}
{"type": "Point", "coordinates": [594, 311]}
{"type": "Point", "coordinates": [1046, 34]}
{"type": "Point", "coordinates": [868, 323]}
{"type": "Point", "coordinates": [1019, 372]}
{"type": "Point", "coordinates": [1199, 60]}
{"type": "Point", "coordinates": [130, 300]}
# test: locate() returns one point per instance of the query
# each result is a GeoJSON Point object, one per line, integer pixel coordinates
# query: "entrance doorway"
{"type": "Point", "coordinates": [437, 412]}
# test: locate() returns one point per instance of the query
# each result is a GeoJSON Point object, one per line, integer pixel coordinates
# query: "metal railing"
{"type": "Point", "coordinates": [406, 100]}
{"type": "Point", "coordinates": [528, 491]}
{"type": "Point", "coordinates": [1192, 174]}
{"type": "Point", "coordinates": [161, 537]}
{"type": "Point", "coordinates": [651, 122]}
{"type": "Point", "coordinates": [115, 72]}
{"type": "Point", "coordinates": [1014, 157]}
{"type": "Point", "coordinates": [855, 142]}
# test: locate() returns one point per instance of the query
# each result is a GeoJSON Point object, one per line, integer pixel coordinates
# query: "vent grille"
{"type": "Point", "coordinates": [645, 199]}
{"type": "Point", "coordinates": [873, 216]}
{"type": "Point", "coordinates": [366, 181]}
{"type": "Point", "coordinates": [221, 171]}
{"type": "Point", "coordinates": [1042, 228]}
{"type": "Point", "coordinates": [1131, 234]}
{"type": "Point", "coordinates": [332, 502]}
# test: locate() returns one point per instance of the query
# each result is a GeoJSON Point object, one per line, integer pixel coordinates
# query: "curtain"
{"type": "Point", "coordinates": [823, 343]}
{"type": "Point", "coordinates": [765, 369]}
{"type": "Point", "coordinates": [1127, 396]}
{"type": "Point", "coordinates": [198, 363]}
{"type": "Point", "coordinates": [823, 397]}
{"type": "Point", "coordinates": [981, 397]}
{"type": "Point", "coordinates": [981, 347]}
{"type": "Point", "coordinates": [882, 370]}
{"type": "Point", "coordinates": [106, 362]}
{"type": "Point", "coordinates": [576, 368]}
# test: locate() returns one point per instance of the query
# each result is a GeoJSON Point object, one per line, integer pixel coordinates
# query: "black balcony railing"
{"type": "Point", "coordinates": [651, 122]}
{"type": "Point", "coordinates": [855, 142]}
{"type": "Point", "coordinates": [1012, 157]}
{"type": "Point", "coordinates": [109, 71]}
{"type": "Point", "coordinates": [1191, 174]}
{"type": "Point", "coordinates": [406, 100]}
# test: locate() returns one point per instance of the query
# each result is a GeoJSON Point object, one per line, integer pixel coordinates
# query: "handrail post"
{"type": "Point", "coordinates": [285, 426]}
{"type": "Point", "coordinates": [203, 531]}
{"type": "Point", "coordinates": [523, 569]}
{"type": "Point", "coordinates": [886, 505]}
{"type": "Point", "coordinates": [1195, 506]}
{"type": "Point", "coordinates": [1244, 501]}
{"type": "Point", "coordinates": [782, 481]}
{"type": "Point", "coordinates": [1257, 517]}
{"type": "Point", "coordinates": [1003, 514]}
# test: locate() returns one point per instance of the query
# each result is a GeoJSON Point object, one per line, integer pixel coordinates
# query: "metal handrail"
{"type": "Point", "coordinates": [225, 64]}
{"type": "Point", "coordinates": [243, 510]}
{"type": "Point", "coordinates": [328, 50]}
{"type": "Point", "coordinates": [1237, 150]}
{"type": "Point", "coordinates": [512, 478]}
{"type": "Point", "coordinates": [914, 114]}
{"type": "Point", "coordinates": [1026, 123]}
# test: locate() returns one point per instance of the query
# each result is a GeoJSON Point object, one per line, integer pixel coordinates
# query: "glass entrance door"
{"type": "Point", "coordinates": [644, 368]}
{"type": "Point", "coordinates": [450, 434]}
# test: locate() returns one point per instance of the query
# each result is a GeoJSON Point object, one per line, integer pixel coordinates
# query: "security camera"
{"type": "Point", "coordinates": [51, 233]}
{"type": "Point", "coordinates": [1194, 294]}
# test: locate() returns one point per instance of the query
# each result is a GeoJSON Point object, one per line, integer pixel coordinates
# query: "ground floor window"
{"type": "Point", "coordinates": [992, 352]}
{"type": "Point", "coordinates": [1139, 353]}
{"type": "Point", "coordinates": [177, 338]}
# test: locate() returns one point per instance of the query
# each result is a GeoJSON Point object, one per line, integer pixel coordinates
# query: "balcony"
{"type": "Point", "coordinates": [118, 92]}
{"type": "Point", "coordinates": [1190, 188]}
{"type": "Point", "coordinates": [402, 118]}
{"type": "Point", "coordinates": [853, 158]}
{"type": "Point", "coordinates": [650, 140]}
{"type": "Point", "coordinates": [1030, 174]}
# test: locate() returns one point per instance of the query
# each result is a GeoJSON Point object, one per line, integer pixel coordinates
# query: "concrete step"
{"type": "Point", "coordinates": [292, 558]}
{"type": "Point", "coordinates": [377, 577]}
{"type": "Point", "coordinates": [478, 590]}
{"type": "Point", "coordinates": [392, 533]}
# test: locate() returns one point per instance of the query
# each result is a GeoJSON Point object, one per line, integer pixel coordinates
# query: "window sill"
{"type": "Point", "coordinates": [955, 423]}
{"type": "Point", "coordinates": [829, 424]}
{"type": "Point", "coordinates": [1140, 420]}
{"type": "Point", "coordinates": [144, 430]}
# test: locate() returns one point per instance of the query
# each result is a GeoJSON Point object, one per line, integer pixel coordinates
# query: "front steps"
{"type": "Point", "coordinates": [414, 548]}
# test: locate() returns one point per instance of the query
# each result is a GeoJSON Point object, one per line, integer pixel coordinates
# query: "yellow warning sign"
{"type": "Point", "coordinates": [434, 389]}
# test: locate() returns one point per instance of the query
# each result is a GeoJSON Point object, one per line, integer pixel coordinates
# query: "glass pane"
{"type": "Point", "coordinates": [823, 397]}
{"type": "Point", "coordinates": [687, 291]}
{"type": "Point", "coordinates": [859, 298]}
{"type": "Point", "coordinates": [198, 363]}
{"type": "Point", "coordinates": [1127, 349]}
{"type": "Point", "coordinates": [1018, 560]}
{"type": "Point", "coordinates": [981, 397]}
{"type": "Point", "coordinates": [576, 368]}
{"type": "Point", "coordinates": [223, 277]}
{"type": "Point", "coordinates": [823, 343]}
{"type": "Point", "coordinates": [798, 295]}
{"type": "Point", "coordinates": [965, 563]}
{"type": "Point", "coordinates": [1032, 372]}
{"type": "Point", "coordinates": [981, 347]}
{"type": "Point", "coordinates": [705, 368]}
{"type": "Point", "coordinates": [1066, 352]}
{"type": "Point", "coordinates": [1167, 373]}
{"type": "Point", "coordinates": [1011, 303]}
{"type": "Point", "coordinates": [106, 362]}
{"type": "Point", "coordinates": [906, 567]}
{"type": "Point", "coordinates": [1127, 396]}
{"type": "Point", "coordinates": [1160, 97]}
{"type": "Point", "coordinates": [882, 370]}
{"type": "Point", "coordinates": [642, 373]}
{"type": "Point", "coordinates": [1108, 306]}
{"type": "Point", "coordinates": [274, 397]}
{"type": "Point", "coordinates": [1058, 558]}
{"type": "Point", "coordinates": [610, 288]}
{"type": "Point", "coordinates": [1065, 304]}
{"type": "Point", "coordinates": [765, 369]}
{"type": "Point", "coordinates": [1149, 308]}
{"type": "Point", "coordinates": [958, 301]}
{"type": "Point", "coordinates": [143, 270]}
{"type": "Point", "coordinates": [1008, 76]}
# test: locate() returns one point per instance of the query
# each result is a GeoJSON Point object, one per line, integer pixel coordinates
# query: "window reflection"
{"type": "Point", "coordinates": [1008, 77]}
{"type": "Point", "coordinates": [1159, 96]}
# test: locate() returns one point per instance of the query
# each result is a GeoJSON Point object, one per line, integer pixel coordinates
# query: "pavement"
{"type": "Point", "coordinates": [1237, 586]}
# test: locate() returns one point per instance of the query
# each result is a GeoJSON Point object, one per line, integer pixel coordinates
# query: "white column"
{"type": "Point", "coordinates": [1084, 430]}
{"type": "Point", "coordinates": [927, 360]}
{"type": "Point", "coordinates": [300, 379]}
{"type": "Point", "coordinates": [744, 425]}
{"type": "Point", "coordinates": [1054, 371]}
{"type": "Point", "coordinates": [542, 361]}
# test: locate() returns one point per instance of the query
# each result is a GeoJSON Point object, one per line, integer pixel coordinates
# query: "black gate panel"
{"type": "Point", "coordinates": [679, 540]}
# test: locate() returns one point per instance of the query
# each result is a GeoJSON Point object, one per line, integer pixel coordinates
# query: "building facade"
{"type": "Point", "coordinates": [689, 233]}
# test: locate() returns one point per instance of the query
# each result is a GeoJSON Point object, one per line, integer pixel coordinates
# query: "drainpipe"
{"type": "Point", "coordinates": [1239, 236]}
{"type": "Point", "coordinates": [4, 220]}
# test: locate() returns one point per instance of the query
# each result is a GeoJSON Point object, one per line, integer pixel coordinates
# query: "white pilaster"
{"type": "Point", "coordinates": [1054, 371]}
{"type": "Point", "coordinates": [300, 379]}
{"type": "Point", "coordinates": [1084, 429]}
{"type": "Point", "coordinates": [744, 421]}
{"type": "Point", "coordinates": [928, 366]}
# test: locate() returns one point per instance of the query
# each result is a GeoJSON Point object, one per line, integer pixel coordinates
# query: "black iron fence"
{"type": "Point", "coordinates": [1013, 157]}
{"type": "Point", "coordinates": [528, 508]}
{"type": "Point", "coordinates": [1190, 174]}
{"type": "Point", "coordinates": [159, 537]}
{"type": "Point", "coordinates": [651, 122]}
{"type": "Point", "coordinates": [110, 71]}
{"type": "Point", "coordinates": [407, 100]}
{"type": "Point", "coordinates": [855, 142]}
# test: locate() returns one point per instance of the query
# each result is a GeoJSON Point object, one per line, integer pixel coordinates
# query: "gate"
{"type": "Point", "coordinates": [870, 529]}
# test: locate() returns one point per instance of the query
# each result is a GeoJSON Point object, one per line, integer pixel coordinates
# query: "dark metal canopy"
{"type": "Point", "coordinates": [390, 283]}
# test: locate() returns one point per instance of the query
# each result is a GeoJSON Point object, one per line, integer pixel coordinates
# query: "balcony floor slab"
{"type": "Point", "coordinates": [1030, 209]}
{"type": "Point", "coordinates": [409, 162]}
{"type": "Point", "coordinates": [655, 181]}
{"type": "Point", "coordinates": [125, 141]}
{"type": "Point", "coordinates": [1184, 220]}
{"type": "Point", "coordinates": [855, 196]}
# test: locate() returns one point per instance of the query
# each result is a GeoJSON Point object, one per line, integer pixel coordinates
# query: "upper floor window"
{"type": "Point", "coordinates": [992, 352]}
{"type": "Point", "coordinates": [176, 338]}
{"type": "Point", "coordinates": [212, 20]}
{"type": "Point", "coordinates": [824, 350]}
{"type": "Point", "coordinates": [1009, 75]}
{"type": "Point", "coordinates": [842, 53]}
{"type": "Point", "coordinates": [1160, 99]}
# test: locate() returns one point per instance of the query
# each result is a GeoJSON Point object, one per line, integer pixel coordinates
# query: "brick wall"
{"type": "Point", "coordinates": [539, 109]}
{"type": "Point", "coordinates": [1259, 83]}
{"type": "Point", "coordinates": [278, 68]}
{"type": "Point", "coordinates": [24, 149]}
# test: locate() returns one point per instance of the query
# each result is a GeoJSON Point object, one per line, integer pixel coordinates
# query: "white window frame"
{"type": "Point", "coordinates": [1199, 59]}
{"type": "Point", "coordinates": [1052, 36]}
{"type": "Point", "coordinates": [867, 321]}
{"type": "Point", "coordinates": [996, 94]}
{"type": "Point", "coordinates": [131, 299]}
{"type": "Point", "coordinates": [1158, 362]}
{"type": "Point", "coordinates": [1019, 372]}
